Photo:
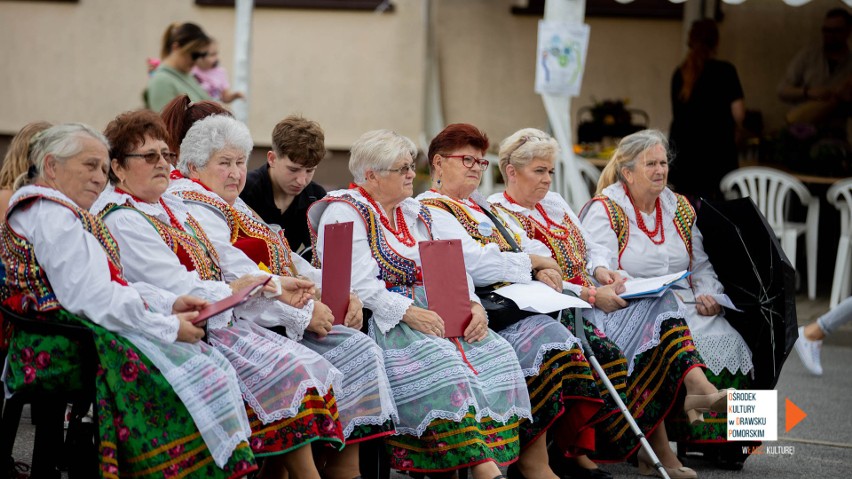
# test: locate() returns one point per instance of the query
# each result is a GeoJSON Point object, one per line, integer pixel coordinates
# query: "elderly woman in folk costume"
{"type": "Point", "coordinates": [563, 390]}
{"type": "Point", "coordinates": [213, 162]}
{"type": "Point", "coordinates": [155, 379]}
{"type": "Point", "coordinates": [648, 231]}
{"type": "Point", "coordinates": [651, 332]}
{"type": "Point", "coordinates": [459, 399]}
{"type": "Point", "coordinates": [287, 388]}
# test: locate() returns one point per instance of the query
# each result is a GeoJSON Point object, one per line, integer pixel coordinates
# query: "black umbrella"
{"type": "Point", "coordinates": [758, 278]}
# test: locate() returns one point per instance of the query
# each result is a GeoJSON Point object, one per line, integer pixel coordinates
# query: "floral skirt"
{"type": "Point", "coordinates": [654, 388]}
{"type": "Point", "coordinates": [364, 397]}
{"type": "Point", "coordinates": [562, 389]}
{"type": "Point", "coordinates": [447, 444]}
{"type": "Point", "coordinates": [316, 421]}
{"type": "Point", "coordinates": [144, 430]}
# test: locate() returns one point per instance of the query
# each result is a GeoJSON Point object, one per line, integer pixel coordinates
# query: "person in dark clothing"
{"type": "Point", "coordinates": [707, 108]}
{"type": "Point", "coordinates": [282, 190]}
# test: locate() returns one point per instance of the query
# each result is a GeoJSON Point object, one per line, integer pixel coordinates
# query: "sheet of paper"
{"type": "Point", "coordinates": [725, 301]}
{"type": "Point", "coordinates": [537, 297]}
{"type": "Point", "coordinates": [651, 287]}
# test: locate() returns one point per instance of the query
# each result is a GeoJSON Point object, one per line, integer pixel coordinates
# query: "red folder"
{"type": "Point", "coordinates": [337, 268]}
{"type": "Point", "coordinates": [446, 284]}
{"type": "Point", "coordinates": [231, 301]}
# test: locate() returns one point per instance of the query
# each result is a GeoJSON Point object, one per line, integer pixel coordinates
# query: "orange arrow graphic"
{"type": "Point", "coordinates": [794, 414]}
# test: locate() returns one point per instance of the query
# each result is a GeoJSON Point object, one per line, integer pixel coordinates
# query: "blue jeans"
{"type": "Point", "coordinates": [842, 313]}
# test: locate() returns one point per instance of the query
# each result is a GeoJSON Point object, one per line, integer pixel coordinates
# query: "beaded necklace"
{"type": "Point", "coordinates": [401, 233]}
{"type": "Point", "coordinates": [640, 222]}
{"type": "Point", "coordinates": [556, 230]}
{"type": "Point", "coordinates": [569, 250]}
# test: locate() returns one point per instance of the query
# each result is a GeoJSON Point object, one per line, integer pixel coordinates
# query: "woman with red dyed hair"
{"type": "Point", "coordinates": [181, 113]}
{"type": "Point", "coordinates": [562, 388]}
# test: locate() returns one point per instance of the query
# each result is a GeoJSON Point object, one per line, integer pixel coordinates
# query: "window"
{"type": "Point", "coordinates": [371, 5]}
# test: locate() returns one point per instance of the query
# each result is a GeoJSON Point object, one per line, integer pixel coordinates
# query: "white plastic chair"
{"type": "Point", "coordinates": [487, 186]}
{"type": "Point", "coordinates": [589, 172]}
{"type": "Point", "coordinates": [771, 190]}
{"type": "Point", "coordinates": [840, 195]}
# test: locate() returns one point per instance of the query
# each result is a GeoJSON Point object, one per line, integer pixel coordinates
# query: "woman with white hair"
{"type": "Point", "coordinates": [154, 376]}
{"type": "Point", "coordinates": [286, 387]}
{"type": "Point", "coordinates": [649, 230]}
{"type": "Point", "coordinates": [651, 333]}
{"type": "Point", "coordinates": [210, 188]}
{"type": "Point", "coordinates": [459, 399]}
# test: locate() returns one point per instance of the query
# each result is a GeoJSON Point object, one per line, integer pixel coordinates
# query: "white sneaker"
{"type": "Point", "coordinates": [809, 352]}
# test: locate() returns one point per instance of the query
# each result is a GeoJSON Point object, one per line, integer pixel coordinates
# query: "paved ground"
{"type": "Point", "coordinates": [820, 446]}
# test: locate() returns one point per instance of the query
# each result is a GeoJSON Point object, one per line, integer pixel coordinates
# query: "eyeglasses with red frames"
{"type": "Point", "coordinates": [469, 160]}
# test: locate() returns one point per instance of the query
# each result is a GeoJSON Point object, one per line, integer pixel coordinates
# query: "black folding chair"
{"type": "Point", "coordinates": [48, 408]}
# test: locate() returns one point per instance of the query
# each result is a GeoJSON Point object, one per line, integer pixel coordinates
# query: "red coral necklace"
{"type": "Point", "coordinates": [555, 229]}
{"type": "Point", "coordinates": [401, 233]}
{"type": "Point", "coordinates": [640, 222]}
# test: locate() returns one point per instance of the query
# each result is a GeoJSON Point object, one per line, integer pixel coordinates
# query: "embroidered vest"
{"type": "Point", "coordinates": [192, 247]}
{"type": "Point", "coordinates": [569, 252]}
{"type": "Point", "coordinates": [683, 220]}
{"type": "Point", "coordinates": [254, 237]}
{"type": "Point", "coordinates": [470, 224]}
{"type": "Point", "coordinates": [399, 273]}
{"type": "Point", "coordinates": [25, 279]}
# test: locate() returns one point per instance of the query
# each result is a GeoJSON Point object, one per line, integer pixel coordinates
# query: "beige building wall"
{"type": "Point", "coordinates": [85, 61]}
{"type": "Point", "coordinates": [355, 71]}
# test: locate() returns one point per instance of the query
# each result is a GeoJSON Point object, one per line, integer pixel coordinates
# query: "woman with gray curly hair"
{"type": "Point", "coordinates": [287, 388]}
{"type": "Point", "coordinates": [459, 399]}
{"type": "Point", "coordinates": [212, 162]}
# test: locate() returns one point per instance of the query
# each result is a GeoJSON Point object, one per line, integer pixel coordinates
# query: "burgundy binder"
{"type": "Point", "coordinates": [337, 268]}
{"type": "Point", "coordinates": [231, 301]}
{"type": "Point", "coordinates": [444, 277]}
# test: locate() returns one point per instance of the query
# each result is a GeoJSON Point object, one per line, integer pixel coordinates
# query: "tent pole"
{"type": "Point", "coordinates": [568, 181]}
{"type": "Point", "coordinates": [242, 56]}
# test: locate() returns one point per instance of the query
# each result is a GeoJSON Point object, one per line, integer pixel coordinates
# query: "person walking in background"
{"type": "Point", "coordinates": [282, 190]}
{"type": "Point", "coordinates": [707, 110]}
{"type": "Point", "coordinates": [183, 45]}
{"type": "Point", "coordinates": [809, 345]}
{"type": "Point", "coordinates": [213, 77]}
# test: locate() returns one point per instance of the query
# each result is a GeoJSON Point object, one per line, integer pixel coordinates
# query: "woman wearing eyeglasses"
{"type": "Point", "coordinates": [565, 399]}
{"type": "Point", "coordinates": [458, 399]}
{"type": "Point", "coordinates": [652, 333]}
{"type": "Point", "coordinates": [287, 388]}
{"type": "Point", "coordinates": [183, 45]}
